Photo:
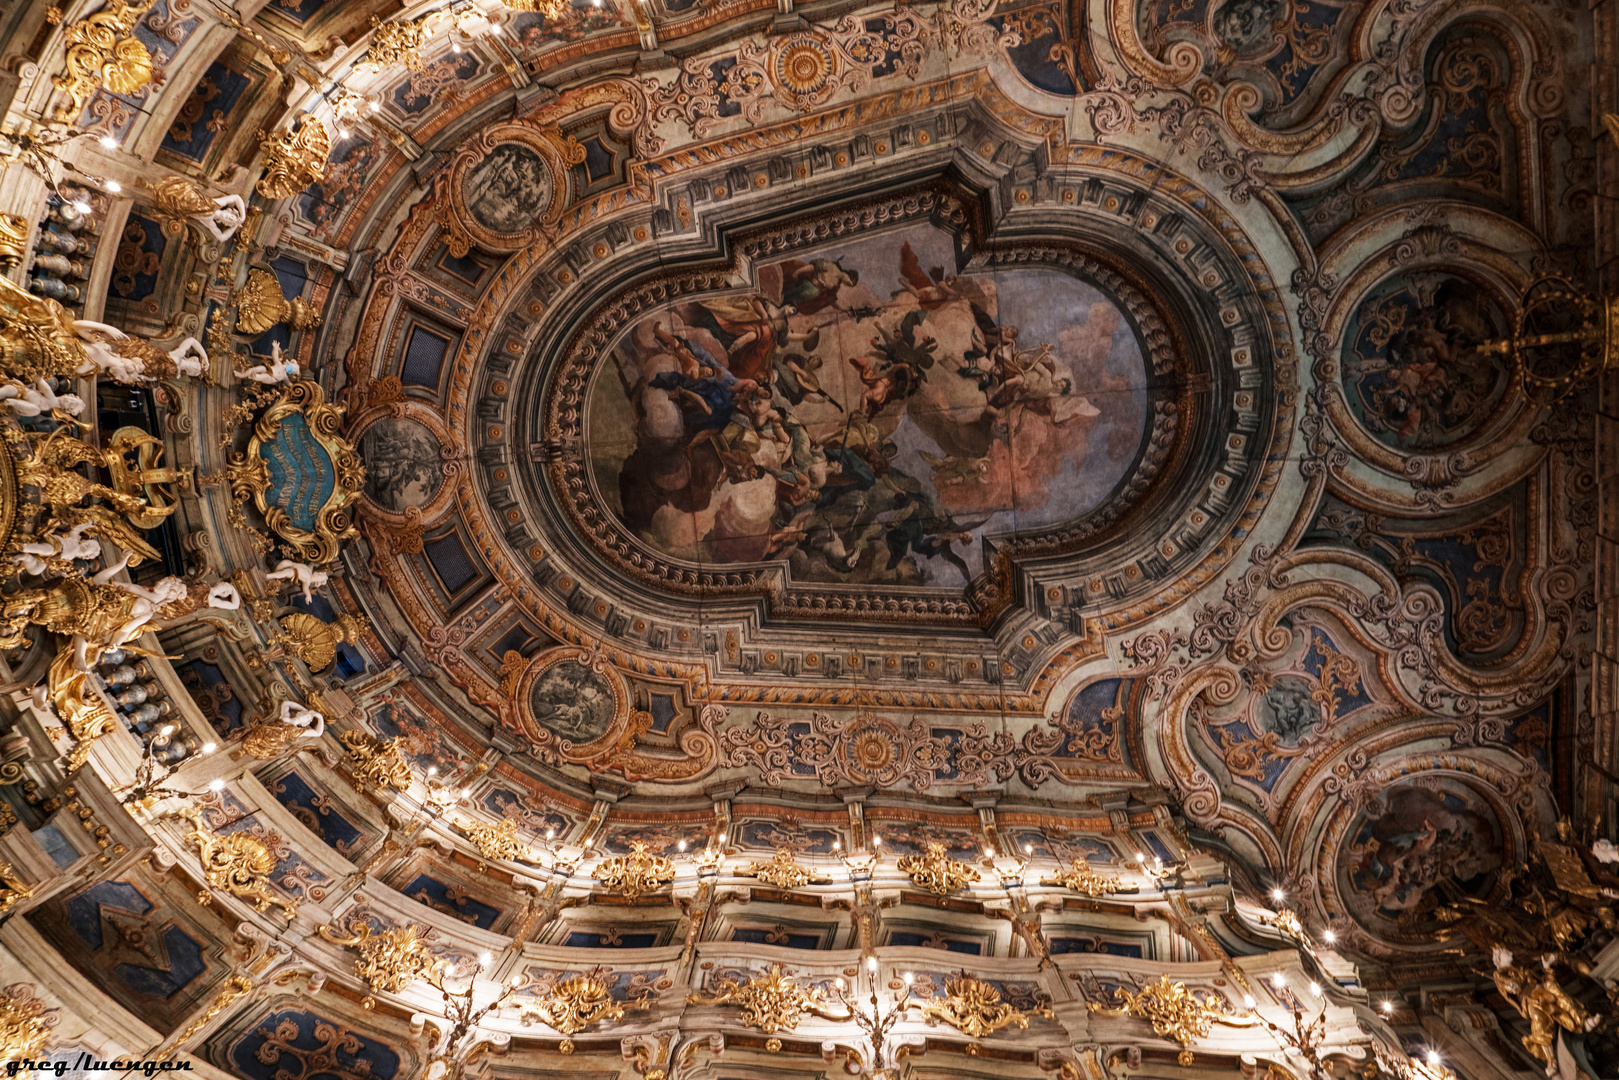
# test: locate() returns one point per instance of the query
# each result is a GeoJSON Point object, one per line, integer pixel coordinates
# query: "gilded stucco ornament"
{"type": "Point", "coordinates": [104, 53]}
{"type": "Point", "coordinates": [12, 888]}
{"type": "Point", "coordinates": [571, 1006]}
{"type": "Point", "coordinates": [783, 871]}
{"type": "Point", "coordinates": [376, 764]}
{"type": "Point", "coordinates": [235, 863]}
{"type": "Point", "coordinates": [397, 42]}
{"type": "Point", "coordinates": [390, 960]}
{"type": "Point", "coordinates": [1174, 1011]}
{"type": "Point", "coordinates": [301, 475]}
{"type": "Point", "coordinates": [935, 871]}
{"type": "Point", "coordinates": [80, 705]}
{"type": "Point", "coordinates": [146, 477]}
{"type": "Point", "coordinates": [315, 641]}
{"type": "Point", "coordinates": [635, 873]}
{"type": "Point", "coordinates": [1082, 879]}
{"type": "Point", "coordinates": [770, 1003]}
{"type": "Point", "coordinates": [498, 841]}
{"type": "Point", "coordinates": [975, 1008]}
{"type": "Point", "coordinates": [295, 159]}
{"type": "Point", "coordinates": [507, 188]}
{"type": "Point", "coordinates": [25, 1023]}
{"type": "Point", "coordinates": [260, 304]}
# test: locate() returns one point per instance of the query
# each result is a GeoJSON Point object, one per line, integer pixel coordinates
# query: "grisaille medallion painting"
{"type": "Point", "coordinates": [868, 415]}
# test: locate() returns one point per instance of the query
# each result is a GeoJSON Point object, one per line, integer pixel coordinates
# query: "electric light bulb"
{"type": "Point", "coordinates": [909, 978]}
{"type": "Point", "coordinates": [591, 842]}
{"type": "Point", "coordinates": [484, 958]}
{"type": "Point", "coordinates": [550, 834]}
{"type": "Point", "coordinates": [81, 206]}
{"type": "Point", "coordinates": [517, 980]}
{"type": "Point", "coordinates": [1278, 894]}
{"type": "Point", "coordinates": [376, 106]}
{"type": "Point", "coordinates": [1140, 857]}
{"type": "Point", "coordinates": [342, 133]}
{"type": "Point", "coordinates": [1328, 936]}
{"type": "Point", "coordinates": [1028, 849]}
{"type": "Point", "coordinates": [1388, 1006]}
{"type": "Point", "coordinates": [876, 840]}
{"type": "Point", "coordinates": [681, 846]}
{"type": "Point", "coordinates": [109, 143]}
{"type": "Point", "coordinates": [1278, 980]}
{"type": "Point", "coordinates": [209, 747]}
{"type": "Point", "coordinates": [167, 729]}
{"type": "Point", "coordinates": [1433, 1057]}
{"type": "Point", "coordinates": [871, 964]}
{"type": "Point", "coordinates": [837, 845]}
{"type": "Point", "coordinates": [456, 46]}
{"type": "Point", "coordinates": [988, 853]}
{"type": "Point", "coordinates": [1248, 1000]}
{"type": "Point", "coordinates": [432, 770]}
{"type": "Point", "coordinates": [113, 186]}
{"type": "Point", "coordinates": [1315, 989]}
{"type": "Point", "coordinates": [216, 785]}
{"type": "Point", "coordinates": [840, 982]}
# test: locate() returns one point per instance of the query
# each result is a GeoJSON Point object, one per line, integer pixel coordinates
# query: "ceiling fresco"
{"type": "Point", "coordinates": [680, 522]}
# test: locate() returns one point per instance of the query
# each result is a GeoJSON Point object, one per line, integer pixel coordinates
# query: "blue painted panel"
{"type": "Point", "coordinates": [291, 1044]}
{"type": "Point", "coordinates": [302, 474]}
{"type": "Point", "coordinates": [451, 901]}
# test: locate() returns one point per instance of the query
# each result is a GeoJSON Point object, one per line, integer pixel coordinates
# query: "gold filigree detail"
{"type": "Point", "coordinates": [1082, 879]}
{"type": "Point", "coordinates": [12, 888]}
{"type": "Point", "coordinates": [1174, 1012]}
{"type": "Point", "coordinates": [25, 1023]}
{"type": "Point", "coordinates": [782, 871]}
{"type": "Point", "coordinates": [13, 240]}
{"type": "Point", "coordinates": [260, 304]}
{"type": "Point", "coordinates": [235, 863]}
{"type": "Point", "coordinates": [389, 961]}
{"type": "Point", "coordinates": [975, 1008]}
{"type": "Point", "coordinates": [294, 159]}
{"type": "Point", "coordinates": [497, 841]}
{"type": "Point", "coordinates": [104, 53]}
{"type": "Point", "coordinates": [376, 763]}
{"type": "Point", "coordinates": [315, 641]}
{"type": "Point", "coordinates": [81, 706]}
{"type": "Point", "coordinates": [397, 43]}
{"type": "Point", "coordinates": [571, 1006]}
{"type": "Point", "coordinates": [936, 872]}
{"type": "Point", "coordinates": [636, 873]}
{"type": "Point", "coordinates": [770, 1003]}
{"type": "Point", "coordinates": [147, 478]}
{"type": "Point", "coordinates": [550, 9]}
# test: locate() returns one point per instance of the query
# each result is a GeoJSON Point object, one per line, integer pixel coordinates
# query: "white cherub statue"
{"type": "Point", "coordinates": [129, 360]}
{"type": "Point", "coordinates": [145, 607]}
{"type": "Point", "coordinates": [297, 715]}
{"type": "Point", "coordinates": [277, 370]}
{"type": "Point", "coordinates": [69, 545]}
{"type": "Point", "coordinates": [40, 398]}
{"type": "Point", "coordinates": [1605, 851]}
{"type": "Point", "coordinates": [308, 578]}
{"type": "Point", "coordinates": [224, 597]}
{"type": "Point", "coordinates": [228, 216]}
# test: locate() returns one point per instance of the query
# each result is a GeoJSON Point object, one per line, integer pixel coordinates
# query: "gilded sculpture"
{"type": "Point", "coordinates": [260, 304]}
{"type": "Point", "coordinates": [315, 641]}
{"type": "Point", "coordinates": [103, 53]}
{"type": "Point", "coordinates": [1540, 999]}
{"type": "Point", "coordinates": [397, 42]}
{"type": "Point", "coordinates": [572, 1005]}
{"type": "Point", "coordinates": [782, 871]}
{"type": "Point", "coordinates": [635, 873]}
{"type": "Point", "coordinates": [235, 863]}
{"type": "Point", "coordinates": [1174, 1011]}
{"type": "Point", "coordinates": [936, 872]}
{"type": "Point", "coordinates": [390, 960]}
{"type": "Point", "coordinates": [770, 1003]}
{"type": "Point", "coordinates": [12, 887]}
{"type": "Point", "coordinates": [975, 1008]}
{"type": "Point", "coordinates": [376, 764]}
{"type": "Point", "coordinates": [1080, 878]}
{"type": "Point", "coordinates": [25, 1023]}
{"type": "Point", "coordinates": [294, 159]}
{"type": "Point", "coordinates": [497, 841]}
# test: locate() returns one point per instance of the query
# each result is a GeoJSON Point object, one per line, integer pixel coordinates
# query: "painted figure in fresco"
{"type": "Point", "coordinates": [1245, 24]}
{"type": "Point", "coordinates": [851, 437]}
{"type": "Point", "coordinates": [572, 702]}
{"type": "Point", "coordinates": [402, 464]}
{"type": "Point", "coordinates": [1420, 839]}
{"type": "Point", "coordinates": [508, 189]}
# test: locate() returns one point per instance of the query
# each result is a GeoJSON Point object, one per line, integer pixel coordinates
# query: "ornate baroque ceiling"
{"type": "Point", "coordinates": [721, 490]}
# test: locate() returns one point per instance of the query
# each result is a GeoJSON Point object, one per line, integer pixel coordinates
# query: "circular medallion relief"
{"type": "Point", "coordinates": [508, 186]}
{"type": "Point", "coordinates": [1412, 369]}
{"type": "Point", "coordinates": [865, 416]}
{"type": "Point", "coordinates": [403, 463]}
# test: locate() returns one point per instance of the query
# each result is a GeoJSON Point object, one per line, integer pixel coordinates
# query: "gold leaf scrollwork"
{"type": "Point", "coordinates": [396, 43]}
{"type": "Point", "coordinates": [260, 304]}
{"type": "Point", "coordinates": [571, 1006]}
{"type": "Point", "coordinates": [782, 871]}
{"type": "Point", "coordinates": [376, 763]}
{"type": "Point", "coordinates": [1082, 879]}
{"type": "Point", "coordinates": [636, 873]}
{"type": "Point", "coordinates": [770, 1003]}
{"type": "Point", "coordinates": [936, 872]}
{"type": "Point", "coordinates": [315, 641]}
{"type": "Point", "coordinates": [497, 841]}
{"type": "Point", "coordinates": [389, 961]}
{"type": "Point", "coordinates": [1174, 1012]}
{"type": "Point", "coordinates": [975, 1008]}
{"type": "Point", "coordinates": [12, 888]}
{"type": "Point", "coordinates": [235, 863]}
{"type": "Point", "coordinates": [25, 1024]}
{"type": "Point", "coordinates": [294, 159]}
{"type": "Point", "coordinates": [104, 53]}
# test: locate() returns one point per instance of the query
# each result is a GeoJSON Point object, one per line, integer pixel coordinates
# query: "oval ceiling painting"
{"type": "Point", "coordinates": [867, 416]}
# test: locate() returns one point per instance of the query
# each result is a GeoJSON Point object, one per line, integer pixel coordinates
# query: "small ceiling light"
{"type": "Point", "coordinates": [840, 982]}
{"type": "Point", "coordinates": [1388, 1006]}
{"type": "Point", "coordinates": [1278, 980]}
{"type": "Point", "coordinates": [216, 785]}
{"type": "Point", "coordinates": [432, 770]}
{"type": "Point", "coordinates": [167, 729]}
{"type": "Point", "coordinates": [109, 143]}
{"type": "Point", "coordinates": [1433, 1057]}
{"type": "Point", "coordinates": [989, 853]}
{"type": "Point", "coordinates": [209, 747]}
{"type": "Point", "coordinates": [871, 964]}
{"type": "Point", "coordinates": [550, 834]}
{"type": "Point", "coordinates": [455, 46]}
{"type": "Point", "coordinates": [343, 133]}
{"type": "Point", "coordinates": [1315, 988]}
{"type": "Point", "coordinates": [114, 186]}
{"type": "Point", "coordinates": [1028, 849]}
{"type": "Point", "coordinates": [909, 978]}
{"type": "Point", "coordinates": [1278, 894]}
{"type": "Point", "coordinates": [1140, 857]}
{"type": "Point", "coordinates": [1328, 936]}
{"type": "Point", "coordinates": [876, 840]}
{"type": "Point", "coordinates": [1248, 1000]}
{"type": "Point", "coordinates": [681, 846]}
{"type": "Point", "coordinates": [81, 206]}
{"type": "Point", "coordinates": [484, 958]}
{"type": "Point", "coordinates": [375, 106]}
{"type": "Point", "coordinates": [837, 845]}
